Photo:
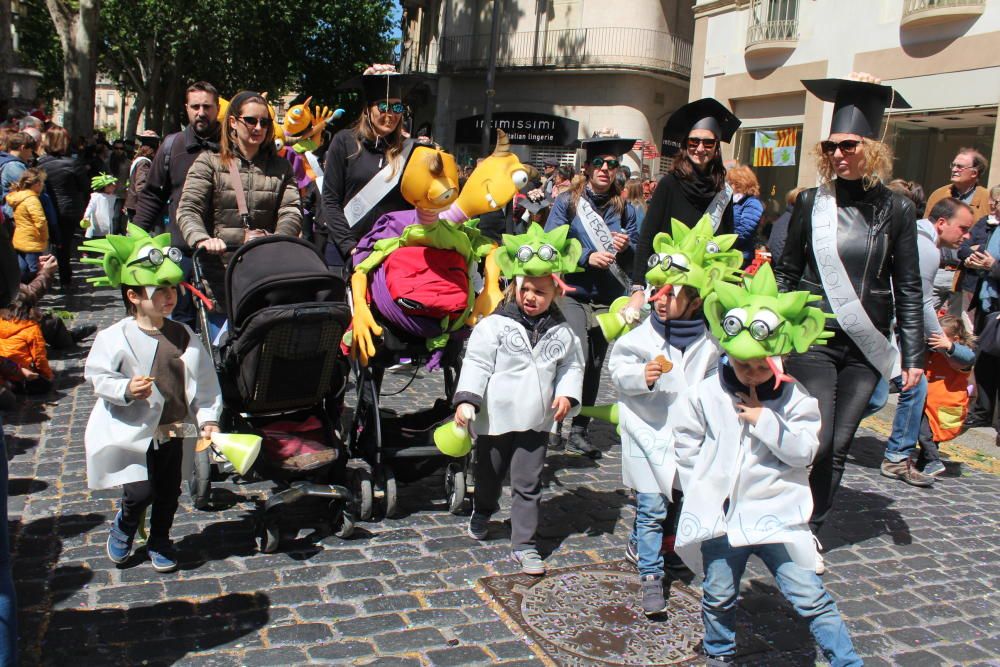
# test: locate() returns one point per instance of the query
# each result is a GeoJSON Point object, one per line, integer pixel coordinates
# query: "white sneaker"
{"type": "Point", "coordinates": [820, 564]}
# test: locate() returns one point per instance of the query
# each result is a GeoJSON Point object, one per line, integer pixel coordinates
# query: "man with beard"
{"type": "Point", "coordinates": [169, 169]}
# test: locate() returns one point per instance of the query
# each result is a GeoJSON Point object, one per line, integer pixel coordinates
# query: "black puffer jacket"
{"type": "Point", "coordinates": [67, 183]}
{"type": "Point", "coordinates": [877, 242]}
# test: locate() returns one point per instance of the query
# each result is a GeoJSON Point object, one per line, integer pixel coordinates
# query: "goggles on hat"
{"type": "Point", "coordinates": [545, 252]}
{"type": "Point", "coordinates": [762, 327]}
{"type": "Point", "coordinates": [667, 262]}
{"type": "Point", "coordinates": [155, 257]}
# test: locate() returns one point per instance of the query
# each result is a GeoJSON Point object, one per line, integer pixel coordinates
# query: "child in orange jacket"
{"type": "Point", "coordinates": [22, 342]}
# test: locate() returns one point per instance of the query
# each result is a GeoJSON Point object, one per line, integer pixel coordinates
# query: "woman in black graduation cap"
{"type": "Point", "coordinates": [373, 145]}
{"type": "Point", "coordinates": [605, 225]}
{"type": "Point", "coordinates": [864, 238]}
{"type": "Point", "coordinates": [695, 184]}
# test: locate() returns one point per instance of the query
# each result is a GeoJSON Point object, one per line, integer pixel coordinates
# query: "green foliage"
{"type": "Point", "coordinates": [38, 46]}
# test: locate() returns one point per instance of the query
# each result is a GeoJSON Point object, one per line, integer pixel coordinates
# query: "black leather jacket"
{"type": "Point", "coordinates": [877, 242]}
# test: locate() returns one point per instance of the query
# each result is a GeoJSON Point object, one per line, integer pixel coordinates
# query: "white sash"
{"type": "Point", "coordinates": [318, 170]}
{"type": "Point", "coordinates": [600, 237]}
{"type": "Point", "coordinates": [376, 189]}
{"type": "Point", "coordinates": [718, 205]}
{"type": "Point", "coordinates": [840, 292]}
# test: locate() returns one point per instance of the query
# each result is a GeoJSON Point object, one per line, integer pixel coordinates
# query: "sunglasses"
{"type": "Point", "coordinates": [693, 142]}
{"type": "Point", "coordinates": [599, 162]}
{"type": "Point", "coordinates": [254, 121]}
{"type": "Point", "coordinates": [545, 252]}
{"type": "Point", "coordinates": [847, 147]}
{"type": "Point", "coordinates": [395, 107]}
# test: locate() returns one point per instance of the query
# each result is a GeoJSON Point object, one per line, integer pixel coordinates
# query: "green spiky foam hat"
{"type": "Point", "coordinates": [693, 256]}
{"type": "Point", "coordinates": [135, 260]}
{"type": "Point", "coordinates": [540, 253]}
{"type": "Point", "coordinates": [101, 181]}
{"type": "Point", "coordinates": [755, 321]}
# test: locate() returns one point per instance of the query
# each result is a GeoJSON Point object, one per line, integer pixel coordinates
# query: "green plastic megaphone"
{"type": "Point", "coordinates": [612, 323]}
{"type": "Point", "coordinates": [608, 413]}
{"type": "Point", "coordinates": [240, 449]}
{"type": "Point", "coordinates": [453, 440]}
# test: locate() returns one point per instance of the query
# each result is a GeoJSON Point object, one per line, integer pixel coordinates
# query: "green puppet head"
{"type": "Point", "coordinates": [136, 260]}
{"type": "Point", "coordinates": [756, 322]}
{"type": "Point", "coordinates": [693, 256]}
{"type": "Point", "coordinates": [539, 253]}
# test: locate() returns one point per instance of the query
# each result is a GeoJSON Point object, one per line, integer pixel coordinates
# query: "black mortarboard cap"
{"type": "Point", "coordinates": [380, 87]}
{"type": "Point", "coordinates": [858, 106]}
{"type": "Point", "coordinates": [704, 114]}
{"type": "Point", "coordinates": [598, 146]}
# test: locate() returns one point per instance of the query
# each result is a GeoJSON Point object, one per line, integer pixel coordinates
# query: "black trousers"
{"type": "Point", "coordinates": [523, 454]}
{"type": "Point", "coordinates": [581, 319]}
{"type": "Point", "coordinates": [987, 371]}
{"type": "Point", "coordinates": [64, 252]}
{"type": "Point", "coordinates": [162, 490]}
{"type": "Point", "coordinates": [842, 381]}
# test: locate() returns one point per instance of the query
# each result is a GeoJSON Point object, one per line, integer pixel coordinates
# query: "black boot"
{"type": "Point", "coordinates": [577, 443]}
{"type": "Point", "coordinates": [82, 331]}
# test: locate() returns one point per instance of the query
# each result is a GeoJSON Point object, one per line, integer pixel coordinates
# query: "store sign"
{"type": "Point", "coordinates": [529, 129]}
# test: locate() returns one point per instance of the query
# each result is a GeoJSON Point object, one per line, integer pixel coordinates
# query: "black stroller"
{"type": "Point", "coordinates": [281, 362]}
{"type": "Point", "coordinates": [399, 448]}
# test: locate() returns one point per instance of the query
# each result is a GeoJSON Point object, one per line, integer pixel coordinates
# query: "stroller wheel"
{"type": "Point", "coordinates": [454, 487]}
{"type": "Point", "coordinates": [267, 534]}
{"type": "Point", "coordinates": [387, 487]}
{"type": "Point", "coordinates": [365, 493]}
{"type": "Point", "coordinates": [343, 520]}
{"type": "Point", "coordinates": [201, 480]}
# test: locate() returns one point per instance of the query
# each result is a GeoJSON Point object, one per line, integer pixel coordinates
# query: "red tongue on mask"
{"type": "Point", "coordinates": [198, 293]}
{"type": "Point", "coordinates": [662, 292]}
{"type": "Point", "coordinates": [777, 367]}
{"type": "Point", "coordinates": [565, 288]}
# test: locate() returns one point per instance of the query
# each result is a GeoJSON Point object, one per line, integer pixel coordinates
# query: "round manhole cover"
{"type": "Point", "coordinates": [596, 616]}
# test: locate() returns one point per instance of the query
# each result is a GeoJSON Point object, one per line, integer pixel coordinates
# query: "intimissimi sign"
{"type": "Point", "coordinates": [531, 129]}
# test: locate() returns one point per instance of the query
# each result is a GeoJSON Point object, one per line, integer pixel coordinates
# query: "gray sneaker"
{"type": "Point", "coordinates": [934, 469]}
{"type": "Point", "coordinates": [530, 561]}
{"type": "Point", "coordinates": [907, 472]}
{"type": "Point", "coordinates": [479, 526]}
{"type": "Point", "coordinates": [653, 602]}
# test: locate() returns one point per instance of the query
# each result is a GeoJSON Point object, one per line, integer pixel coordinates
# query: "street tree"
{"type": "Point", "coordinates": [77, 23]}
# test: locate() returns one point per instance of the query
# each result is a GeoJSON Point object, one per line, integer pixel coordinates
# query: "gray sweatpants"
{"type": "Point", "coordinates": [523, 453]}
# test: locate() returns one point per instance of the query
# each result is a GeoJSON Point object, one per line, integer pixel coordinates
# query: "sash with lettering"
{"type": "Point", "coordinates": [376, 189]}
{"type": "Point", "coordinates": [718, 205]}
{"type": "Point", "coordinates": [600, 237]}
{"type": "Point", "coordinates": [840, 292]}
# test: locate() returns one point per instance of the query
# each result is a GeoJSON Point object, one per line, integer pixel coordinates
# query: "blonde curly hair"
{"type": "Point", "coordinates": [877, 164]}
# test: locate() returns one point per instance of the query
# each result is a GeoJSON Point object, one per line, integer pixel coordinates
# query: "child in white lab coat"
{"type": "Point", "coordinates": [522, 372]}
{"type": "Point", "coordinates": [744, 440]}
{"type": "Point", "coordinates": [153, 379]}
{"type": "Point", "coordinates": [101, 212]}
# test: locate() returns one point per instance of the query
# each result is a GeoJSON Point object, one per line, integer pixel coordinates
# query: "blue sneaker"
{"type": "Point", "coordinates": [119, 542]}
{"type": "Point", "coordinates": [934, 469]}
{"type": "Point", "coordinates": [162, 556]}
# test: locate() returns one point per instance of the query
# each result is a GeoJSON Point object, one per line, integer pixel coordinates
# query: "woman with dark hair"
{"type": "Point", "coordinates": [604, 223]}
{"type": "Point", "coordinates": [68, 186]}
{"type": "Point", "coordinates": [363, 166]}
{"type": "Point", "coordinates": [865, 238]}
{"type": "Point", "coordinates": [694, 186]}
{"type": "Point", "coordinates": [209, 211]}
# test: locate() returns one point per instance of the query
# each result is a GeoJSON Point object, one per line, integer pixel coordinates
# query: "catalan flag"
{"type": "Point", "coordinates": [774, 148]}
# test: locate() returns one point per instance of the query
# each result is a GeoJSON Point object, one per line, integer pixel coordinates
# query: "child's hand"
{"type": "Point", "coordinates": [653, 373]}
{"type": "Point", "coordinates": [28, 374]}
{"type": "Point", "coordinates": [939, 342]}
{"type": "Point", "coordinates": [141, 387]}
{"type": "Point", "coordinates": [208, 428]}
{"type": "Point", "coordinates": [750, 408]}
{"type": "Point", "coordinates": [463, 413]}
{"type": "Point", "coordinates": [561, 406]}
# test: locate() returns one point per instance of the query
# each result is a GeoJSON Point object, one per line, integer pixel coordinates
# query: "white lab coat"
{"type": "Point", "coordinates": [101, 214]}
{"type": "Point", "coordinates": [762, 470]}
{"type": "Point", "coordinates": [518, 382]}
{"type": "Point", "coordinates": [648, 463]}
{"type": "Point", "coordinates": [120, 431]}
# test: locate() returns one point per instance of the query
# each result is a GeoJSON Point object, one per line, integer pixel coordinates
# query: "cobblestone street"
{"type": "Point", "coordinates": [914, 571]}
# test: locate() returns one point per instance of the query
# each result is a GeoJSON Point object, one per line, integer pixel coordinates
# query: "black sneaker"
{"type": "Point", "coordinates": [653, 602]}
{"type": "Point", "coordinates": [82, 331]}
{"type": "Point", "coordinates": [479, 526]}
{"type": "Point", "coordinates": [578, 444]}
{"type": "Point", "coordinates": [555, 441]}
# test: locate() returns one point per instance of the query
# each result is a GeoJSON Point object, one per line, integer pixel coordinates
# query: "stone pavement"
{"type": "Point", "coordinates": [914, 571]}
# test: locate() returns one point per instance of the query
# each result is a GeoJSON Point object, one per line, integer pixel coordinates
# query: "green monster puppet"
{"type": "Point", "coordinates": [135, 260]}
{"type": "Point", "coordinates": [756, 321]}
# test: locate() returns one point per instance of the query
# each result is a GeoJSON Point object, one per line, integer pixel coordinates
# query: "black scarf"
{"type": "Point", "coordinates": [679, 333]}
{"type": "Point", "coordinates": [699, 190]}
{"type": "Point", "coordinates": [599, 201]}
{"type": "Point", "coordinates": [875, 203]}
{"type": "Point", "coordinates": [727, 376]}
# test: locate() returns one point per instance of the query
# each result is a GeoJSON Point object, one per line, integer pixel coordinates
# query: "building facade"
{"type": "Point", "coordinates": [942, 56]}
{"type": "Point", "coordinates": [565, 69]}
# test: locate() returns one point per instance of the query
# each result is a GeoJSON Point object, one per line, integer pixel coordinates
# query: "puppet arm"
{"type": "Point", "coordinates": [363, 323]}
{"type": "Point", "coordinates": [491, 295]}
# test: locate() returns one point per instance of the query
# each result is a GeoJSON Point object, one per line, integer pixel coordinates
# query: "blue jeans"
{"type": "Point", "coordinates": [902, 441]}
{"type": "Point", "coordinates": [724, 566]}
{"type": "Point", "coordinates": [647, 532]}
{"type": "Point", "coordinates": [8, 600]}
{"type": "Point", "coordinates": [28, 263]}
{"type": "Point", "coordinates": [878, 399]}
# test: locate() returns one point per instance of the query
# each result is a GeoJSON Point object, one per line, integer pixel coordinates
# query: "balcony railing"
{"type": "Point", "coordinates": [766, 32]}
{"type": "Point", "coordinates": [932, 11]}
{"type": "Point", "coordinates": [419, 57]}
{"type": "Point", "coordinates": [584, 48]}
